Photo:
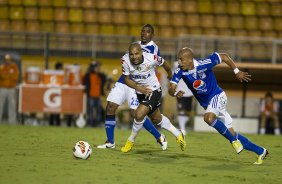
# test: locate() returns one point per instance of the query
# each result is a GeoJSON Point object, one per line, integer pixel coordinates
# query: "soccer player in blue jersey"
{"type": "Point", "coordinates": [200, 79]}
{"type": "Point", "coordinates": [121, 93]}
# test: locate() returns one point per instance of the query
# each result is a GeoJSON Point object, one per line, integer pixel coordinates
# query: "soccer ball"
{"type": "Point", "coordinates": [82, 150]}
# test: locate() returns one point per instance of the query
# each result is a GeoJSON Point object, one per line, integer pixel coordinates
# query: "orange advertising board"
{"type": "Point", "coordinates": [60, 99]}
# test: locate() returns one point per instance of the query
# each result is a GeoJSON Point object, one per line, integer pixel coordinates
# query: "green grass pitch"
{"type": "Point", "coordinates": [44, 155]}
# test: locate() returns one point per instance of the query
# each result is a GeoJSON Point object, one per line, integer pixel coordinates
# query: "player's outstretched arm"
{"type": "Point", "coordinates": [241, 76]}
{"type": "Point", "coordinates": [167, 68]}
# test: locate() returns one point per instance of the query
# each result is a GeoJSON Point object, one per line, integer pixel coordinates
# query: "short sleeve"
{"type": "Point", "coordinates": [177, 75]}
{"type": "Point", "coordinates": [125, 66]}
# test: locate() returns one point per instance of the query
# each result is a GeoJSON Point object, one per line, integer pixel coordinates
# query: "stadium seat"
{"type": "Point", "coordinates": [15, 2]}
{"type": "Point", "coordinates": [276, 9]}
{"type": "Point", "coordinates": [225, 32]}
{"type": "Point", "coordinates": [233, 7]}
{"type": "Point", "coordinates": [75, 15]}
{"type": "Point", "coordinates": [132, 4]}
{"type": "Point", "coordinates": [263, 9]}
{"type": "Point", "coordinates": [277, 23]}
{"type": "Point", "coordinates": [18, 41]}
{"type": "Point", "coordinates": [105, 16]}
{"type": "Point", "coordinates": [119, 17]}
{"type": "Point", "coordinates": [178, 19]}
{"type": "Point", "coordinates": [47, 26]}
{"type": "Point", "coordinates": [74, 3]}
{"type": "Point", "coordinates": [180, 31]}
{"type": "Point", "coordinates": [207, 21]}
{"type": "Point", "coordinates": [161, 5]}
{"type": "Point", "coordinates": [219, 7]}
{"type": "Point", "coordinates": [248, 8]}
{"type": "Point", "coordinates": [4, 25]}
{"type": "Point", "coordinates": [192, 20]}
{"type": "Point", "coordinates": [46, 14]}
{"type": "Point", "coordinates": [60, 3]}
{"type": "Point", "coordinates": [210, 31]}
{"type": "Point", "coordinates": [163, 19]}
{"type": "Point", "coordinates": [134, 30]}
{"type": "Point", "coordinates": [166, 31]}
{"type": "Point", "coordinates": [30, 2]}
{"type": "Point", "coordinates": [259, 51]}
{"type": "Point", "coordinates": [117, 5]}
{"type": "Point", "coordinates": [121, 29]}
{"type": "Point", "coordinates": [32, 26]}
{"type": "Point", "coordinates": [134, 17]}
{"type": "Point", "coordinates": [266, 23]}
{"type": "Point", "coordinates": [106, 29]}
{"type": "Point", "coordinates": [30, 13]}
{"type": "Point", "coordinates": [105, 4]}
{"type": "Point", "coordinates": [236, 22]}
{"type": "Point", "coordinates": [16, 13]}
{"type": "Point", "coordinates": [176, 6]}
{"type": "Point", "coordinates": [251, 23]}
{"type": "Point", "coordinates": [90, 16]}
{"type": "Point", "coordinates": [245, 50]}
{"type": "Point", "coordinates": [204, 6]}
{"type": "Point", "coordinates": [42, 3]}
{"type": "Point", "coordinates": [4, 12]}
{"type": "Point", "coordinates": [270, 34]}
{"type": "Point", "coordinates": [255, 33]}
{"type": "Point", "coordinates": [190, 6]}
{"type": "Point", "coordinates": [91, 29]}
{"type": "Point", "coordinates": [77, 28]}
{"type": "Point", "coordinates": [149, 18]}
{"type": "Point", "coordinates": [240, 32]}
{"type": "Point", "coordinates": [3, 2]}
{"type": "Point", "coordinates": [80, 44]}
{"type": "Point", "coordinates": [147, 5]}
{"type": "Point", "coordinates": [222, 21]}
{"type": "Point", "coordinates": [88, 4]}
{"type": "Point", "coordinates": [61, 14]}
{"type": "Point", "coordinates": [62, 27]}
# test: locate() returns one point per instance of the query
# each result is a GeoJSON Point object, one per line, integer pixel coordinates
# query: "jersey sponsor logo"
{"type": "Point", "coordinates": [199, 85]}
{"type": "Point", "coordinates": [141, 76]}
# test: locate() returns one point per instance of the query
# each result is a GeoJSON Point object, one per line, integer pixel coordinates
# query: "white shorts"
{"type": "Point", "coordinates": [217, 106]}
{"type": "Point", "coordinates": [121, 93]}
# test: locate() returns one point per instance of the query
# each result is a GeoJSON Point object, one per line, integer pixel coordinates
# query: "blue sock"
{"type": "Point", "coordinates": [223, 130]}
{"type": "Point", "coordinates": [110, 124]}
{"type": "Point", "coordinates": [148, 125]}
{"type": "Point", "coordinates": [248, 145]}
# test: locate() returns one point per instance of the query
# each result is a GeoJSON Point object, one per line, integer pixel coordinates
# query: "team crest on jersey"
{"type": "Point", "coordinates": [138, 68]}
{"type": "Point", "coordinates": [199, 85]}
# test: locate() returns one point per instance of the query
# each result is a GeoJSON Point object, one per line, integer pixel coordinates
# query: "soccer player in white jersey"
{"type": "Point", "coordinates": [199, 77]}
{"type": "Point", "coordinates": [138, 69]}
{"type": "Point", "coordinates": [121, 93]}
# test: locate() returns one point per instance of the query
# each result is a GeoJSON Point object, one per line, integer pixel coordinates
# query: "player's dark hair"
{"type": "Point", "coordinates": [268, 94]}
{"type": "Point", "coordinates": [150, 27]}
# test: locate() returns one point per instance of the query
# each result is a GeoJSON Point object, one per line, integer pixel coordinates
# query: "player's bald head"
{"type": "Point", "coordinates": [186, 51]}
{"type": "Point", "coordinates": [134, 46]}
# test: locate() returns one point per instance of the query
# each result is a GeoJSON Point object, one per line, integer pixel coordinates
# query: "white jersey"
{"type": "Point", "coordinates": [143, 74]}
{"type": "Point", "coordinates": [182, 86]}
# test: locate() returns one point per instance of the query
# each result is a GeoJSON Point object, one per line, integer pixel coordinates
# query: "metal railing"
{"type": "Point", "coordinates": [242, 49]}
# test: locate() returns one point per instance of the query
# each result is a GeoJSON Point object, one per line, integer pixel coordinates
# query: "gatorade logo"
{"type": "Point", "coordinates": [52, 98]}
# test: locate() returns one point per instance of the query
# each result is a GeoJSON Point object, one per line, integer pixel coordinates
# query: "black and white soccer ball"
{"type": "Point", "coordinates": [82, 150]}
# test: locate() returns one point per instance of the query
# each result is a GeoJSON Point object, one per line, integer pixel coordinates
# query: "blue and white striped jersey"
{"type": "Point", "coordinates": [150, 47]}
{"type": "Point", "coordinates": [201, 80]}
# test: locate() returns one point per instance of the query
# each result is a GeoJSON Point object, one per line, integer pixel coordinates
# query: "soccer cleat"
{"type": "Point", "coordinates": [181, 141]}
{"type": "Point", "coordinates": [107, 145]}
{"type": "Point", "coordinates": [261, 157]}
{"type": "Point", "coordinates": [163, 142]}
{"type": "Point", "coordinates": [127, 147]}
{"type": "Point", "coordinates": [237, 145]}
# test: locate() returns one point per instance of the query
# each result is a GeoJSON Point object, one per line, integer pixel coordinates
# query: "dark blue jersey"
{"type": "Point", "coordinates": [201, 80]}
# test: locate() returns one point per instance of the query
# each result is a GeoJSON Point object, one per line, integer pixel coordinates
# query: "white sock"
{"type": "Point", "coordinates": [182, 120]}
{"type": "Point", "coordinates": [166, 124]}
{"type": "Point", "coordinates": [277, 131]}
{"type": "Point", "coordinates": [136, 127]}
{"type": "Point", "coordinates": [262, 131]}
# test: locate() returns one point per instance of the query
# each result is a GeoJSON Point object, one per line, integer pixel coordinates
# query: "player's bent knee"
{"type": "Point", "coordinates": [111, 108]}
{"type": "Point", "coordinates": [209, 118]}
